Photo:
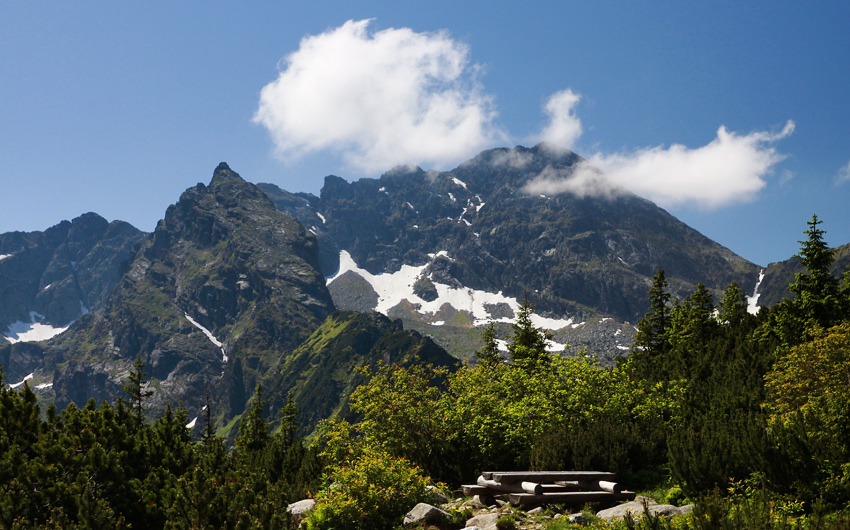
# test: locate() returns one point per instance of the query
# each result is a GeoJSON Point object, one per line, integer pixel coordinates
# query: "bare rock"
{"type": "Point", "coordinates": [425, 513]}
{"type": "Point", "coordinates": [300, 509]}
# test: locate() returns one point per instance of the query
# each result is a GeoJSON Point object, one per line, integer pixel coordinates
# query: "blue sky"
{"type": "Point", "coordinates": [117, 107]}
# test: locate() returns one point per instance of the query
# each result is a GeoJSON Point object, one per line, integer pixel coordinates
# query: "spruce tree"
{"type": "Point", "coordinates": [651, 340]}
{"type": "Point", "coordinates": [817, 291]}
{"type": "Point", "coordinates": [528, 343]}
{"type": "Point", "coordinates": [135, 389]}
{"type": "Point", "coordinates": [489, 353]}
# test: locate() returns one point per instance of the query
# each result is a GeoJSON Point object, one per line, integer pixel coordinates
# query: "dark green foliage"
{"type": "Point", "coordinates": [135, 389]}
{"type": "Point", "coordinates": [651, 340]}
{"type": "Point", "coordinates": [98, 467]}
{"type": "Point", "coordinates": [818, 297]}
{"type": "Point", "coordinates": [489, 354]}
{"type": "Point", "coordinates": [527, 345]}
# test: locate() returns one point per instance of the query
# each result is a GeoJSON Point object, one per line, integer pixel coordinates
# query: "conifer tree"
{"type": "Point", "coordinates": [489, 353]}
{"type": "Point", "coordinates": [528, 343]}
{"type": "Point", "coordinates": [817, 290]}
{"type": "Point", "coordinates": [733, 307]}
{"type": "Point", "coordinates": [254, 429]}
{"type": "Point", "coordinates": [135, 389]}
{"type": "Point", "coordinates": [651, 340]}
{"type": "Point", "coordinates": [818, 301]}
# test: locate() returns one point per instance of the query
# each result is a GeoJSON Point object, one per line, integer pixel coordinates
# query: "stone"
{"type": "Point", "coordinates": [638, 507]}
{"type": "Point", "coordinates": [578, 518]}
{"type": "Point", "coordinates": [425, 513]}
{"type": "Point", "coordinates": [300, 509]}
{"type": "Point", "coordinates": [535, 511]}
{"type": "Point", "coordinates": [485, 521]}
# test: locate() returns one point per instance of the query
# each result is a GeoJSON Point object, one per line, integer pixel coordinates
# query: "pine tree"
{"type": "Point", "coordinates": [489, 354]}
{"type": "Point", "coordinates": [818, 300]}
{"type": "Point", "coordinates": [528, 343]}
{"type": "Point", "coordinates": [733, 307]}
{"type": "Point", "coordinates": [135, 389]}
{"type": "Point", "coordinates": [817, 290]}
{"type": "Point", "coordinates": [651, 340]}
{"type": "Point", "coordinates": [254, 429]}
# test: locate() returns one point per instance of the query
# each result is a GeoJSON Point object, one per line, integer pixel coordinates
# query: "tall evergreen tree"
{"type": "Point", "coordinates": [818, 300]}
{"type": "Point", "coordinates": [135, 389]}
{"type": "Point", "coordinates": [254, 429]}
{"type": "Point", "coordinates": [733, 307]}
{"type": "Point", "coordinates": [817, 290]}
{"type": "Point", "coordinates": [527, 343]}
{"type": "Point", "coordinates": [489, 353]}
{"type": "Point", "coordinates": [651, 340]}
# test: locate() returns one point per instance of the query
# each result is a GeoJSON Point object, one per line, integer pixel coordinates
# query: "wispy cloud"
{"type": "Point", "coordinates": [730, 169]}
{"type": "Point", "coordinates": [564, 126]}
{"type": "Point", "coordinates": [379, 99]}
{"type": "Point", "coordinates": [843, 174]}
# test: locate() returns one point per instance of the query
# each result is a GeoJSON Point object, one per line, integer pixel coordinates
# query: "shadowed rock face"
{"type": "Point", "coordinates": [64, 271]}
{"type": "Point", "coordinates": [225, 286]}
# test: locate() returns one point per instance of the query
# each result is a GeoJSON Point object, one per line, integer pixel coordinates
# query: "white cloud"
{"type": "Point", "coordinates": [728, 170]}
{"type": "Point", "coordinates": [564, 126]}
{"type": "Point", "coordinates": [843, 174]}
{"type": "Point", "coordinates": [379, 98]}
{"type": "Point", "coordinates": [582, 181]}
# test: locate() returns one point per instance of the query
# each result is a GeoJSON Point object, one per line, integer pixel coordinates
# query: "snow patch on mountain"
{"type": "Point", "coordinates": [33, 331]}
{"type": "Point", "coordinates": [24, 380]}
{"type": "Point", "coordinates": [394, 287]}
{"type": "Point", "coordinates": [459, 183]}
{"type": "Point", "coordinates": [7, 256]}
{"type": "Point", "coordinates": [753, 301]}
{"type": "Point", "coordinates": [209, 335]}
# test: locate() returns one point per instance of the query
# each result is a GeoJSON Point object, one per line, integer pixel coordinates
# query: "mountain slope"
{"type": "Point", "coordinates": [475, 229]}
{"type": "Point", "coordinates": [224, 287]}
{"type": "Point", "coordinates": [324, 370]}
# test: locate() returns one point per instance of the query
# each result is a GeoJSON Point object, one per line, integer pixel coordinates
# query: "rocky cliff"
{"type": "Point", "coordinates": [477, 230]}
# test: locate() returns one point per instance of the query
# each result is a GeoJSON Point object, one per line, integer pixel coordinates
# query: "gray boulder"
{"type": "Point", "coordinates": [638, 507]}
{"type": "Point", "coordinates": [300, 509]}
{"type": "Point", "coordinates": [485, 521]}
{"type": "Point", "coordinates": [425, 513]}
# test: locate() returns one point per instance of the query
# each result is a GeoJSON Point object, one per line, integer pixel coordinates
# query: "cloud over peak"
{"type": "Point", "coordinates": [380, 99]}
{"type": "Point", "coordinates": [730, 169]}
{"type": "Point", "coordinates": [564, 126]}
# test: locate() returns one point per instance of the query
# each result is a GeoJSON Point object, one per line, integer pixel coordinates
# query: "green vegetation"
{"type": "Point", "coordinates": [100, 467]}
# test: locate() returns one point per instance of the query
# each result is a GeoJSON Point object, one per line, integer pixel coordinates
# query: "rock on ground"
{"type": "Point", "coordinates": [300, 509]}
{"type": "Point", "coordinates": [425, 513]}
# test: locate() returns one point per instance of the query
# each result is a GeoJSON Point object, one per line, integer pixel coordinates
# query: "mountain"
{"type": "Point", "coordinates": [244, 284]}
{"type": "Point", "coordinates": [57, 275]}
{"type": "Point", "coordinates": [221, 297]}
{"type": "Point", "coordinates": [447, 251]}
{"type": "Point", "coordinates": [323, 371]}
{"type": "Point", "coordinates": [50, 279]}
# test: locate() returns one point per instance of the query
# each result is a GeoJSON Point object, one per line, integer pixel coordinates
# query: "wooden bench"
{"type": "Point", "coordinates": [550, 487]}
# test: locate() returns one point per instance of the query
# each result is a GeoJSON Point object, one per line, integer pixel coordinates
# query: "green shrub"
{"type": "Point", "coordinates": [372, 491]}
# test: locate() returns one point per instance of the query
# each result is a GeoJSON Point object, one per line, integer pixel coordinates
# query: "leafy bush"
{"type": "Point", "coordinates": [372, 491]}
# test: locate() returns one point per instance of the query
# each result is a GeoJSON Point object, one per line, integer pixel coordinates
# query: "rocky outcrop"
{"type": "Point", "coordinates": [225, 286]}
{"type": "Point", "coordinates": [54, 277]}
{"type": "Point", "coordinates": [639, 507]}
{"type": "Point", "coordinates": [425, 513]}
